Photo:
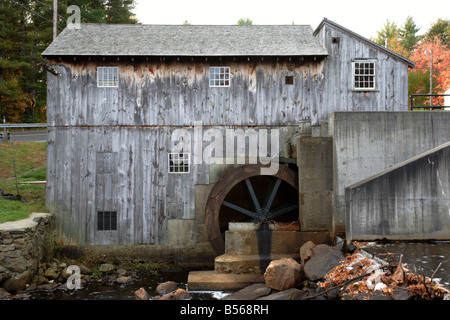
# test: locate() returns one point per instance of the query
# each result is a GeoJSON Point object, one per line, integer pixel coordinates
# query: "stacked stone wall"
{"type": "Point", "coordinates": [23, 244]}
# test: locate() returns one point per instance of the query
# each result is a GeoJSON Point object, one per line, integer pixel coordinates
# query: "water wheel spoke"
{"type": "Point", "coordinates": [270, 196]}
{"type": "Point", "coordinates": [240, 209]}
{"type": "Point", "coordinates": [280, 210]}
{"type": "Point", "coordinates": [255, 201]}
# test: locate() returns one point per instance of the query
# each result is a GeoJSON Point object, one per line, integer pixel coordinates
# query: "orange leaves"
{"type": "Point", "coordinates": [384, 279]}
{"type": "Point", "coordinates": [441, 63]}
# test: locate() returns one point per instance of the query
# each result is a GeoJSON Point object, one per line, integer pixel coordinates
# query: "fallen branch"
{"type": "Point", "coordinates": [424, 284]}
{"type": "Point", "coordinates": [434, 273]}
{"type": "Point", "coordinates": [339, 285]}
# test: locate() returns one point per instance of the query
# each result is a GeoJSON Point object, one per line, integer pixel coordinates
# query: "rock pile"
{"type": "Point", "coordinates": [166, 291]}
{"type": "Point", "coordinates": [325, 273]}
{"type": "Point", "coordinates": [53, 276]}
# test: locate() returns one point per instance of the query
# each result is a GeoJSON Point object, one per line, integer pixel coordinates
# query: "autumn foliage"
{"type": "Point", "coordinates": [441, 67]}
{"type": "Point", "coordinates": [14, 101]}
{"type": "Point", "coordinates": [370, 276]}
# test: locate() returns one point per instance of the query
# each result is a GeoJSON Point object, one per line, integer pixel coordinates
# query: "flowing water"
{"type": "Point", "coordinates": [126, 292]}
{"type": "Point", "coordinates": [422, 258]}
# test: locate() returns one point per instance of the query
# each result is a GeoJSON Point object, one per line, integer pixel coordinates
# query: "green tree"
{"type": "Point", "coordinates": [440, 29]}
{"type": "Point", "coordinates": [389, 37]}
{"type": "Point", "coordinates": [26, 29]}
{"type": "Point", "coordinates": [408, 35]}
{"type": "Point", "coordinates": [120, 11]}
{"type": "Point", "coordinates": [244, 22]}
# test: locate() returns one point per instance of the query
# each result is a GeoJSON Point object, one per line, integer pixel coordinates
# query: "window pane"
{"type": "Point", "coordinates": [217, 75]}
{"type": "Point", "coordinates": [100, 221]}
{"type": "Point", "coordinates": [107, 76]}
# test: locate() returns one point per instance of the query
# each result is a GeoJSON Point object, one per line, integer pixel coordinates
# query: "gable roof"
{"type": "Point", "coordinates": [181, 40]}
{"type": "Point", "coordinates": [366, 41]}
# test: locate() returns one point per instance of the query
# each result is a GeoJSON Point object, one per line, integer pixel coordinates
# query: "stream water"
{"type": "Point", "coordinates": [420, 257]}
{"type": "Point", "coordinates": [126, 292]}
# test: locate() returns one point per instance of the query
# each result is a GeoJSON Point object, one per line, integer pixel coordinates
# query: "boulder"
{"type": "Point", "coordinates": [251, 292]}
{"type": "Point", "coordinates": [141, 294]}
{"type": "Point", "coordinates": [106, 268]}
{"type": "Point", "coordinates": [52, 273]}
{"type": "Point", "coordinates": [166, 287]}
{"type": "Point", "coordinates": [168, 296]}
{"type": "Point", "coordinates": [122, 272]}
{"type": "Point", "coordinates": [4, 274]}
{"type": "Point", "coordinates": [181, 294]}
{"type": "Point", "coordinates": [289, 294]}
{"type": "Point", "coordinates": [18, 282]}
{"type": "Point", "coordinates": [283, 274]}
{"type": "Point", "coordinates": [124, 279]}
{"type": "Point", "coordinates": [4, 294]}
{"type": "Point", "coordinates": [306, 251]}
{"type": "Point", "coordinates": [85, 270]}
{"type": "Point", "coordinates": [323, 259]}
{"type": "Point", "coordinates": [48, 286]}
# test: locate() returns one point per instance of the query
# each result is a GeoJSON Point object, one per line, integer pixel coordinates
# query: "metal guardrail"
{"type": "Point", "coordinates": [427, 107]}
{"type": "Point", "coordinates": [5, 126]}
{"type": "Point", "coordinates": [23, 125]}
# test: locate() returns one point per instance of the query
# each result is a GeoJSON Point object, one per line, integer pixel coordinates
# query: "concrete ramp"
{"type": "Point", "coordinates": [409, 201]}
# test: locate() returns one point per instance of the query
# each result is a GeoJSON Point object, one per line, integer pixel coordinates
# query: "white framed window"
{"type": "Point", "coordinates": [107, 77]}
{"type": "Point", "coordinates": [179, 162]}
{"type": "Point", "coordinates": [364, 75]}
{"type": "Point", "coordinates": [219, 76]}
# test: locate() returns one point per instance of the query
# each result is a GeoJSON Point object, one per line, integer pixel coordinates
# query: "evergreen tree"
{"type": "Point", "coordinates": [408, 35]}
{"type": "Point", "coordinates": [26, 29]}
{"type": "Point", "coordinates": [389, 37]}
{"type": "Point", "coordinates": [119, 11]}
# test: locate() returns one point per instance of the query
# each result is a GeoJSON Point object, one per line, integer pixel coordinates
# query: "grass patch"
{"type": "Point", "coordinates": [27, 155]}
{"type": "Point", "coordinates": [30, 160]}
{"type": "Point", "coordinates": [12, 210]}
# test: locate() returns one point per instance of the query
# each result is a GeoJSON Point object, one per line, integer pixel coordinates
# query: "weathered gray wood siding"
{"type": "Point", "coordinates": [177, 94]}
{"type": "Point", "coordinates": [391, 92]}
{"type": "Point", "coordinates": [108, 147]}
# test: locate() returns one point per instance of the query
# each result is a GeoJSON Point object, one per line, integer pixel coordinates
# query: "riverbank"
{"type": "Point", "coordinates": [358, 276]}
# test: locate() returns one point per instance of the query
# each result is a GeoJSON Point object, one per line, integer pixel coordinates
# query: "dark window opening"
{"type": "Point", "coordinates": [179, 162]}
{"type": "Point", "coordinates": [106, 220]}
{"type": "Point", "coordinates": [336, 40]}
{"type": "Point", "coordinates": [289, 80]}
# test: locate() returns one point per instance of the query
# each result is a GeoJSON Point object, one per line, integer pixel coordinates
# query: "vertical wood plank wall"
{"type": "Point", "coordinates": [107, 147]}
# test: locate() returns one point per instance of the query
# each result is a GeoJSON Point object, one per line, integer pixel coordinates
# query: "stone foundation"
{"type": "Point", "coordinates": [23, 244]}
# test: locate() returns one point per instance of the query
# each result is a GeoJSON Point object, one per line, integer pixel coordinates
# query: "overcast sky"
{"type": "Point", "coordinates": [362, 17]}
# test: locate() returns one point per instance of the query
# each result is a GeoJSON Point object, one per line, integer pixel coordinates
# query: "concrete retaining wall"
{"type": "Point", "coordinates": [315, 177]}
{"type": "Point", "coordinates": [366, 143]}
{"type": "Point", "coordinates": [23, 244]}
{"type": "Point", "coordinates": [408, 201]}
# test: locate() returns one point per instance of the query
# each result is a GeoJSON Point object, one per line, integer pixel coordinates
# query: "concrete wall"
{"type": "Point", "coordinates": [315, 175]}
{"type": "Point", "coordinates": [366, 143]}
{"type": "Point", "coordinates": [408, 201]}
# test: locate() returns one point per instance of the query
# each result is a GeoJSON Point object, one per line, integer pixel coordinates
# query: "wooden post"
{"type": "Point", "coordinates": [15, 175]}
{"type": "Point", "coordinates": [55, 19]}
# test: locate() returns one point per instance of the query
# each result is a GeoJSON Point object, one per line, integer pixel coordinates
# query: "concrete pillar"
{"type": "Point", "coordinates": [315, 175]}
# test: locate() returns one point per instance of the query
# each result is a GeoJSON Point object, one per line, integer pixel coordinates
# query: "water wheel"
{"type": "Point", "coordinates": [245, 195]}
